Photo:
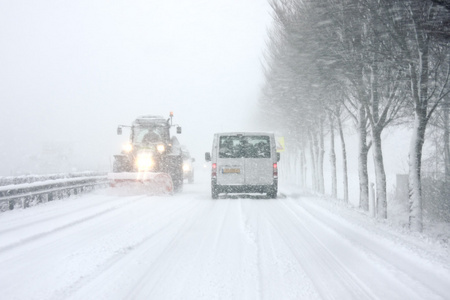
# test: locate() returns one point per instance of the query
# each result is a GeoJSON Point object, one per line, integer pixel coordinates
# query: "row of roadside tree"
{"type": "Point", "coordinates": [374, 64]}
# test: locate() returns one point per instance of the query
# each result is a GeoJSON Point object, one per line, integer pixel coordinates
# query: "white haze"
{"type": "Point", "coordinates": [71, 71]}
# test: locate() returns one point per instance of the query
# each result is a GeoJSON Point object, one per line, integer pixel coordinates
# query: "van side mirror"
{"type": "Point", "coordinates": [278, 156]}
{"type": "Point", "coordinates": [208, 156]}
{"type": "Point", "coordinates": [178, 129]}
{"type": "Point", "coordinates": [119, 130]}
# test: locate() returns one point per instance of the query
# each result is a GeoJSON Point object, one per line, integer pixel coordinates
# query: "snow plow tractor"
{"type": "Point", "coordinates": [152, 161]}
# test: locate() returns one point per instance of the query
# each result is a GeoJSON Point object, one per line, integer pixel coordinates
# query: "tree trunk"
{"type": "Point", "coordinates": [415, 185]}
{"type": "Point", "coordinates": [320, 157]}
{"type": "Point", "coordinates": [304, 168]}
{"type": "Point", "coordinates": [419, 85]}
{"type": "Point", "coordinates": [446, 112]}
{"type": "Point", "coordinates": [332, 159]}
{"type": "Point", "coordinates": [313, 160]}
{"type": "Point", "coordinates": [380, 174]}
{"type": "Point", "coordinates": [344, 160]}
{"type": "Point", "coordinates": [377, 126]}
{"type": "Point", "coordinates": [362, 160]}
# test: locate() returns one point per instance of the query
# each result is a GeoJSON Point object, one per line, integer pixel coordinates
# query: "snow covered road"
{"type": "Point", "coordinates": [104, 246]}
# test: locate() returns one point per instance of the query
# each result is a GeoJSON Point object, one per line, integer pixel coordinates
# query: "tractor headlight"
{"type": "Point", "coordinates": [127, 148]}
{"type": "Point", "coordinates": [160, 148]}
{"type": "Point", "coordinates": [186, 167]}
{"type": "Point", "coordinates": [144, 161]}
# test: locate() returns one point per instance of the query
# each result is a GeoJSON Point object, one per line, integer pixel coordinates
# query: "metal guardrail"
{"type": "Point", "coordinates": [7, 180]}
{"type": "Point", "coordinates": [48, 188]}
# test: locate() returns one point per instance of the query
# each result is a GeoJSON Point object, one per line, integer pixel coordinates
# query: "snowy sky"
{"type": "Point", "coordinates": [72, 70]}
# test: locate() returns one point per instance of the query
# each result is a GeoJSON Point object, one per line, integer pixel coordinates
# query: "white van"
{"type": "Point", "coordinates": [244, 162]}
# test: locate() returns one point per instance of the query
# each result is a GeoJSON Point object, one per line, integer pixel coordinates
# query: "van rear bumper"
{"type": "Point", "coordinates": [245, 188]}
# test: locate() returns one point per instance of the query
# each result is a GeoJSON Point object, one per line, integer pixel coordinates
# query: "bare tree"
{"type": "Point", "coordinates": [412, 21]}
{"type": "Point", "coordinates": [332, 156]}
{"type": "Point", "coordinates": [344, 156]}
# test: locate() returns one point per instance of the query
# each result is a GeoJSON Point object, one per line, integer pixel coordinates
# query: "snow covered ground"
{"type": "Point", "coordinates": [187, 246]}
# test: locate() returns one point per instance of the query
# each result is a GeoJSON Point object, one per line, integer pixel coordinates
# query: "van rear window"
{"type": "Point", "coordinates": [244, 147]}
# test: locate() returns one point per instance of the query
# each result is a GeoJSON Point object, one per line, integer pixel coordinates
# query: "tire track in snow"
{"type": "Point", "coordinates": [237, 255]}
{"type": "Point", "coordinates": [215, 260]}
{"type": "Point", "coordinates": [48, 217]}
{"type": "Point", "coordinates": [37, 262]}
{"type": "Point", "coordinates": [54, 250]}
{"type": "Point", "coordinates": [205, 262]}
{"type": "Point", "coordinates": [145, 287]}
{"type": "Point", "coordinates": [250, 226]}
{"type": "Point", "coordinates": [436, 279]}
{"type": "Point", "coordinates": [203, 257]}
{"type": "Point", "coordinates": [135, 255]}
{"type": "Point", "coordinates": [279, 278]}
{"type": "Point", "coordinates": [192, 258]}
{"type": "Point", "coordinates": [128, 251]}
{"type": "Point", "coordinates": [65, 226]}
{"type": "Point", "coordinates": [212, 261]}
{"type": "Point", "coordinates": [331, 278]}
{"type": "Point", "coordinates": [366, 273]}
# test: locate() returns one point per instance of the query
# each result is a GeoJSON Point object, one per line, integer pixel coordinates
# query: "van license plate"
{"type": "Point", "coordinates": [231, 170]}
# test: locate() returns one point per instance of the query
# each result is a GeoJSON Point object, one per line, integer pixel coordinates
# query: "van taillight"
{"type": "Point", "coordinates": [214, 170]}
{"type": "Point", "coordinates": [275, 170]}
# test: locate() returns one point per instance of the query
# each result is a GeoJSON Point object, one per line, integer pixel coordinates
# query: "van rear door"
{"type": "Point", "coordinates": [258, 160]}
{"type": "Point", "coordinates": [230, 161]}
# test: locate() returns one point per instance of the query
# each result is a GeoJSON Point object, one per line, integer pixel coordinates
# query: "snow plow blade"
{"type": "Point", "coordinates": [142, 182]}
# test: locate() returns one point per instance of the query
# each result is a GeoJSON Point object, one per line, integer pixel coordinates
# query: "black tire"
{"type": "Point", "coordinates": [191, 178]}
{"type": "Point", "coordinates": [174, 167]}
{"type": "Point", "coordinates": [178, 183]}
{"type": "Point", "coordinates": [177, 186]}
{"type": "Point", "coordinates": [214, 192]}
{"type": "Point", "coordinates": [272, 193]}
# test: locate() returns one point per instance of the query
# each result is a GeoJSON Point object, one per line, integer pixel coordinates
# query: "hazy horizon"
{"type": "Point", "coordinates": [71, 72]}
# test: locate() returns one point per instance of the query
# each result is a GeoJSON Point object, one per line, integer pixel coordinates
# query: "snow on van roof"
{"type": "Point", "coordinates": [247, 133]}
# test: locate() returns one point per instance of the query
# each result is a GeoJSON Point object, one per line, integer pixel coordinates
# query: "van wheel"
{"type": "Point", "coordinates": [214, 192]}
{"type": "Point", "coordinates": [272, 194]}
